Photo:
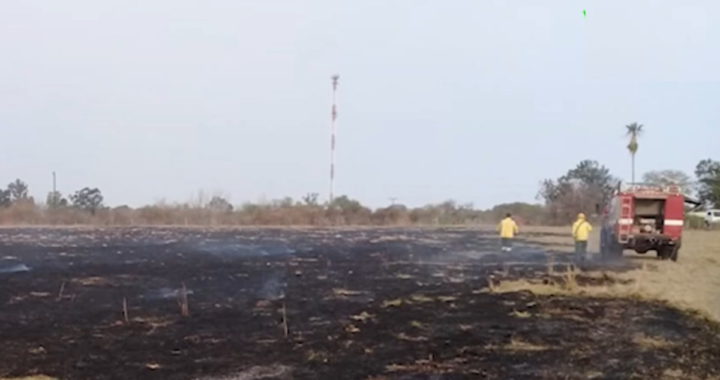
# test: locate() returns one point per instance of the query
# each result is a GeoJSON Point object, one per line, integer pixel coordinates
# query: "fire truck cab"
{"type": "Point", "coordinates": [643, 218]}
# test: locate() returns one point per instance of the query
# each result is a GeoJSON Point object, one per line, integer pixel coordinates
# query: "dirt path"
{"type": "Point", "coordinates": [365, 304]}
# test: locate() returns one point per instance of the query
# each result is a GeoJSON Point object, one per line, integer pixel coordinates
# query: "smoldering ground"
{"type": "Point", "coordinates": [319, 304]}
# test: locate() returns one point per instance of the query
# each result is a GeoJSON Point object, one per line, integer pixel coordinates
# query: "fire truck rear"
{"type": "Point", "coordinates": [644, 218]}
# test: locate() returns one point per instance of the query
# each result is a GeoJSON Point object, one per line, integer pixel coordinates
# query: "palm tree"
{"type": "Point", "coordinates": [634, 130]}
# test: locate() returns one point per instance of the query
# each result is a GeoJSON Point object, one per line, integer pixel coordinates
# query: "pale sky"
{"type": "Point", "coordinates": [475, 101]}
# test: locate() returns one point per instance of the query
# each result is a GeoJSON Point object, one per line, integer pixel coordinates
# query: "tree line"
{"type": "Point", "coordinates": [17, 194]}
{"type": "Point", "coordinates": [580, 189]}
{"type": "Point", "coordinates": [590, 184]}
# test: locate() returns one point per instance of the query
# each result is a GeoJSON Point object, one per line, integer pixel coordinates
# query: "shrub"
{"type": "Point", "coordinates": [694, 222]}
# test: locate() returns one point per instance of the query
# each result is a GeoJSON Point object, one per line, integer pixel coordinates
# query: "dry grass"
{"type": "Point", "coordinates": [154, 323]}
{"type": "Point", "coordinates": [517, 345]}
{"type": "Point", "coordinates": [563, 313]}
{"type": "Point", "coordinates": [418, 325]}
{"type": "Point", "coordinates": [392, 303]}
{"type": "Point", "coordinates": [419, 298]}
{"type": "Point", "coordinates": [362, 317]}
{"type": "Point", "coordinates": [651, 343]}
{"type": "Point", "coordinates": [406, 337]}
{"type": "Point", "coordinates": [280, 212]}
{"type": "Point", "coordinates": [426, 366]}
{"type": "Point", "coordinates": [317, 356]}
{"type": "Point", "coordinates": [520, 314]}
{"type": "Point", "coordinates": [677, 374]}
{"type": "Point", "coordinates": [570, 278]}
{"type": "Point", "coordinates": [346, 292]}
{"type": "Point", "coordinates": [693, 282]}
{"type": "Point", "coordinates": [521, 345]}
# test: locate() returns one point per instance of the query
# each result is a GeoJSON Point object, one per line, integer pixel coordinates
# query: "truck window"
{"type": "Point", "coordinates": [717, 214]}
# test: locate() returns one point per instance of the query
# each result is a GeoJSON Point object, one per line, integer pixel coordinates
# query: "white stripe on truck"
{"type": "Point", "coordinates": [668, 222]}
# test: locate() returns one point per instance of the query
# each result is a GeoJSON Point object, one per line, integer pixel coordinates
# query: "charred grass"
{"type": "Point", "coordinates": [341, 304]}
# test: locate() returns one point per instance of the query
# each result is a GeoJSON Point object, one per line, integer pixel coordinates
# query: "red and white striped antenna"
{"type": "Point", "coordinates": [332, 137]}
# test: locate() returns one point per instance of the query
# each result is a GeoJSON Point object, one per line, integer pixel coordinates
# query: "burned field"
{"type": "Point", "coordinates": [318, 304]}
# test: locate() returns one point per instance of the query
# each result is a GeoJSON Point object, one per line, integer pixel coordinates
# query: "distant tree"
{"type": "Point", "coordinates": [466, 212]}
{"type": "Point", "coordinates": [587, 174]}
{"type": "Point", "coordinates": [448, 208]}
{"type": "Point", "coordinates": [596, 177]}
{"type": "Point", "coordinates": [708, 176]}
{"type": "Point", "coordinates": [219, 204]}
{"type": "Point", "coordinates": [310, 199]}
{"type": "Point", "coordinates": [670, 177]}
{"type": "Point", "coordinates": [393, 214]}
{"type": "Point", "coordinates": [447, 212]}
{"type": "Point", "coordinates": [5, 198]}
{"type": "Point", "coordinates": [348, 210]}
{"type": "Point", "coordinates": [286, 202]}
{"type": "Point", "coordinates": [427, 214]}
{"type": "Point", "coordinates": [346, 204]}
{"type": "Point", "coordinates": [55, 199]}
{"type": "Point", "coordinates": [18, 190]}
{"type": "Point", "coordinates": [579, 190]}
{"type": "Point", "coordinates": [634, 131]}
{"type": "Point", "coordinates": [87, 199]}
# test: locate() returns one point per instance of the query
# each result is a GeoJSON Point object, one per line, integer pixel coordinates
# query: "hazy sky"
{"type": "Point", "coordinates": [471, 100]}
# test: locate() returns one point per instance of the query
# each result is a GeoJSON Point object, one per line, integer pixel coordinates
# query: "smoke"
{"type": "Point", "coordinates": [229, 249]}
{"type": "Point", "coordinates": [272, 288]}
{"type": "Point", "coordinates": [273, 372]}
{"type": "Point", "coordinates": [165, 293]}
{"type": "Point", "coordinates": [17, 268]}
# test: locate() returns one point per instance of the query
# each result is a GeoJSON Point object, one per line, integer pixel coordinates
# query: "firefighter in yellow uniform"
{"type": "Point", "coordinates": [508, 229]}
{"type": "Point", "coordinates": [580, 231]}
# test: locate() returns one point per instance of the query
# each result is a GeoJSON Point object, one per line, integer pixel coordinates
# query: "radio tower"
{"type": "Point", "coordinates": [332, 136]}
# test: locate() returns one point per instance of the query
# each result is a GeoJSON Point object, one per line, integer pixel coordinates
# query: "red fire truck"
{"type": "Point", "coordinates": [644, 218]}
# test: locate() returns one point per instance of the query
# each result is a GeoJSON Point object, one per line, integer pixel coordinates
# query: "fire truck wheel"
{"type": "Point", "coordinates": [674, 253]}
{"type": "Point", "coordinates": [670, 252]}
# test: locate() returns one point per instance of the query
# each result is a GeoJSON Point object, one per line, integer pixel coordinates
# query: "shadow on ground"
{"type": "Point", "coordinates": [318, 304]}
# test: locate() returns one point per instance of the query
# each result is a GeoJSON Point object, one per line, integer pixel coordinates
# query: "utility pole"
{"type": "Point", "coordinates": [55, 197]}
{"type": "Point", "coordinates": [332, 136]}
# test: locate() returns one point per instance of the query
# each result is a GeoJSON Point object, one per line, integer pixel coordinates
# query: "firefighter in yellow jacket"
{"type": "Point", "coordinates": [508, 229]}
{"type": "Point", "coordinates": [580, 231]}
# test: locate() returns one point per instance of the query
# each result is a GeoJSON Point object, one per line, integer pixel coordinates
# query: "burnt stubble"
{"type": "Point", "coordinates": [153, 303]}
